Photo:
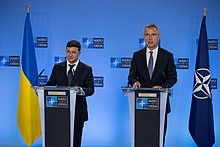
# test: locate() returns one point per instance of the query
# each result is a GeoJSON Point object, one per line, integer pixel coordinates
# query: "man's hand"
{"type": "Point", "coordinates": [137, 84]}
{"type": "Point", "coordinates": [157, 87]}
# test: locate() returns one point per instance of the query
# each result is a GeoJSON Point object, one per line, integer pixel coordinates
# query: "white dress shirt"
{"type": "Point", "coordinates": [74, 67]}
{"type": "Point", "coordinates": [155, 52]}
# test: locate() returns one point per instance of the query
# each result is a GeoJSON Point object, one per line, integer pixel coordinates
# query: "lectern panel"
{"type": "Point", "coordinates": [147, 118]}
{"type": "Point", "coordinates": [57, 118]}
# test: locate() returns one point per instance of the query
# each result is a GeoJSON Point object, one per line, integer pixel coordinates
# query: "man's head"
{"type": "Point", "coordinates": [73, 49]}
{"type": "Point", "coordinates": [151, 36]}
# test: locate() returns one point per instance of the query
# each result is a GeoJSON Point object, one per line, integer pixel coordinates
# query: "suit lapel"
{"type": "Point", "coordinates": [144, 63]}
{"type": "Point", "coordinates": [64, 72]}
{"type": "Point", "coordinates": [158, 63]}
{"type": "Point", "coordinates": [77, 73]}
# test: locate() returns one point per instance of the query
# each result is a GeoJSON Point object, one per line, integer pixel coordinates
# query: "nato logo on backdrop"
{"type": "Point", "coordinates": [213, 83]}
{"type": "Point", "coordinates": [42, 80]}
{"type": "Point", "coordinates": [141, 43]}
{"type": "Point", "coordinates": [98, 81]}
{"type": "Point", "coordinates": [182, 63]}
{"type": "Point", "coordinates": [120, 62]}
{"type": "Point", "coordinates": [59, 59]}
{"type": "Point", "coordinates": [9, 60]}
{"type": "Point", "coordinates": [42, 42]}
{"type": "Point", "coordinates": [212, 44]}
{"type": "Point", "coordinates": [96, 43]}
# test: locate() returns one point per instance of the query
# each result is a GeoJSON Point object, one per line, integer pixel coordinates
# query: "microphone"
{"type": "Point", "coordinates": [36, 82]}
{"type": "Point", "coordinates": [166, 84]}
{"type": "Point", "coordinates": [130, 74]}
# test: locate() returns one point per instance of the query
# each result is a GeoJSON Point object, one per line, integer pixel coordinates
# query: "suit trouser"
{"type": "Point", "coordinates": [78, 129]}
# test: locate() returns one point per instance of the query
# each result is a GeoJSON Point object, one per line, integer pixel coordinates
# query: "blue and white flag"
{"type": "Point", "coordinates": [201, 124]}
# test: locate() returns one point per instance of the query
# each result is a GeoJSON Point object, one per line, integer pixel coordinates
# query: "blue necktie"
{"type": "Point", "coordinates": [70, 74]}
{"type": "Point", "coordinates": [150, 64]}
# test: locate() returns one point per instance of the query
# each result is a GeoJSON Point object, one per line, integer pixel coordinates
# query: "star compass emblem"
{"type": "Point", "coordinates": [201, 89]}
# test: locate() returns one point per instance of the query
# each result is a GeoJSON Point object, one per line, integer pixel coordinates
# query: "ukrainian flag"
{"type": "Point", "coordinates": [28, 113]}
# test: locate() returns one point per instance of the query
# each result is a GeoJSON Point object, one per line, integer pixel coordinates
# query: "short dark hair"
{"type": "Point", "coordinates": [74, 43]}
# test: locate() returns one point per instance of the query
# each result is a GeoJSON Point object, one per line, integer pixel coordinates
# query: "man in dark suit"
{"type": "Point", "coordinates": [153, 66]}
{"type": "Point", "coordinates": [73, 72]}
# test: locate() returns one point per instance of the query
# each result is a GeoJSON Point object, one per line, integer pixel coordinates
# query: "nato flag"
{"type": "Point", "coordinates": [201, 125]}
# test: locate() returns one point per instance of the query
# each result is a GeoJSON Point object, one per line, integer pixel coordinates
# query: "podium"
{"type": "Point", "coordinates": [147, 108]}
{"type": "Point", "coordinates": [57, 113]}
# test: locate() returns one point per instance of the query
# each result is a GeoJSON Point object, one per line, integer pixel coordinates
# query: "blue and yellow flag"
{"type": "Point", "coordinates": [28, 113]}
{"type": "Point", "coordinates": [201, 125]}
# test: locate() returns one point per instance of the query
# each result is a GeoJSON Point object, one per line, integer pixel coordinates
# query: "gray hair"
{"type": "Point", "coordinates": [152, 26]}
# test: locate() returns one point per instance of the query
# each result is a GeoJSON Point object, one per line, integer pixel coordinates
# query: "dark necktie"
{"type": "Point", "coordinates": [70, 74]}
{"type": "Point", "coordinates": [150, 64]}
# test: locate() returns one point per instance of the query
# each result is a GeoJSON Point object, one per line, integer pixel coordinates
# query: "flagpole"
{"type": "Point", "coordinates": [28, 8]}
{"type": "Point", "coordinates": [204, 11]}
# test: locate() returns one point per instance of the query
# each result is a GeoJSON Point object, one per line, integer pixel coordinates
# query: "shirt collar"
{"type": "Point", "coordinates": [154, 50]}
{"type": "Point", "coordinates": [76, 64]}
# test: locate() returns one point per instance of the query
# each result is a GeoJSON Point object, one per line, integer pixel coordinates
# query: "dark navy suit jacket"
{"type": "Point", "coordinates": [164, 73]}
{"type": "Point", "coordinates": [83, 77]}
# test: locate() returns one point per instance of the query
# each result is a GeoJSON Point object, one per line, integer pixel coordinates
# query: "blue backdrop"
{"type": "Point", "coordinates": [120, 24]}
